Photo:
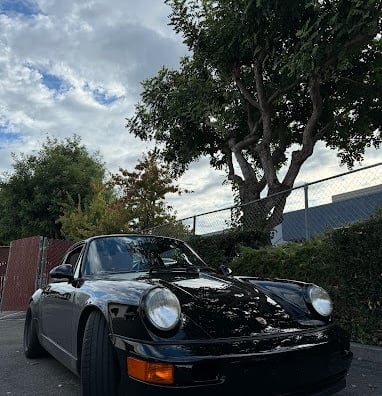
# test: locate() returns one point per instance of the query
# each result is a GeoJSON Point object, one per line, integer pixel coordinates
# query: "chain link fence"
{"type": "Point", "coordinates": [310, 209]}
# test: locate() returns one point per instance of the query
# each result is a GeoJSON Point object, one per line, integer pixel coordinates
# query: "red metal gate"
{"type": "Point", "coordinates": [29, 261]}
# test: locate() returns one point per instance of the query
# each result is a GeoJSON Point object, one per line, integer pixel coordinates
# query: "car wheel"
{"type": "Point", "coordinates": [32, 346]}
{"type": "Point", "coordinates": [98, 365]}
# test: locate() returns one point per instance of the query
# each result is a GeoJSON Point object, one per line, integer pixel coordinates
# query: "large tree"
{"type": "Point", "coordinates": [264, 81]}
{"type": "Point", "coordinates": [143, 192]}
{"type": "Point", "coordinates": [33, 195]}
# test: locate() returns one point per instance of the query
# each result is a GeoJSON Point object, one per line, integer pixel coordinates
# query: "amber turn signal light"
{"type": "Point", "coordinates": [153, 372]}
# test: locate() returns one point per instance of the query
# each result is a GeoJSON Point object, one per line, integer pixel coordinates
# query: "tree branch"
{"type": "Point", "coordinates": [246, 142]}
{"type": "Point", "coordinates": [315, 96]}
{"type": "Point", "coordinates": [247, 170]}
{"type": "Point", "coordinates": [308, 138]}
{"type": "Point", "coordinates": [264, 105]}
{"type": "Point", "coordinates": [231, 170]}
{"type": "Point", "coordinates": [244, 92]}
{"type": "Point", "coordinates": [284, 90]}
{"type": "Point", "coordinates": [356, 41]}
{"type": "Point", "coordinates": [278, 155]}
{"type": "Point", "coordinates": [263, 148]}
{"type": "Point", "coordinates": [320, 133]}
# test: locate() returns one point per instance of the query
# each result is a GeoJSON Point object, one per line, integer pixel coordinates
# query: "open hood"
{"type": "Point", "coordinates": [227, 307]}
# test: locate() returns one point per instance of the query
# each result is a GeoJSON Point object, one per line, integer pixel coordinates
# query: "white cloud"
{"type": "Point", "coordinates": [101, 52]}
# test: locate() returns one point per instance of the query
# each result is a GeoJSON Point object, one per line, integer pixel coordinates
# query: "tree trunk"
{"type": "Point", "coordinates": [259, 214]}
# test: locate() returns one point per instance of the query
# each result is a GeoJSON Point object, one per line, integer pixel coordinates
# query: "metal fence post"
{"type": "Point", "coordinates": [307, 230]}
{"type": "Point", "coordinates": [41, 263]}
{"type": "Point", "coordinates": [193, 225]}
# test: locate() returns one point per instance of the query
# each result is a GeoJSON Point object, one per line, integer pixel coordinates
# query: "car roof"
{"type": "Point", "coordinates": [124, 235]}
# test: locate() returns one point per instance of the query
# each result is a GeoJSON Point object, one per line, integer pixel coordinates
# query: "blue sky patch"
{"type": "Point", "coordinates": [102, 97]}
{"type": "Point", "coordinates": [19, 7]}
{"type": "Point", "coordinates": [54, 82]}
{"type": "Point", "coordinates": [6, 136]}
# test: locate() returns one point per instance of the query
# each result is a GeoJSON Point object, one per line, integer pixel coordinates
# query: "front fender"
{"type": "Point", "coordinates": [34, 303]}
{"type": "Point", "coordinates": [291, 295]}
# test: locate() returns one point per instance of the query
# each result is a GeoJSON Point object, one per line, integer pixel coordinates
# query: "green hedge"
{"type": "Point", "coordinates": [221, 249]}
{"type": "Point", "coordinates": [347, 262]}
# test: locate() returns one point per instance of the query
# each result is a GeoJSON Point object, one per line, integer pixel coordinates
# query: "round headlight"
{"type": "Point", "coordinates": [162, 308]}
{"type": "Point", "coordinates": [320, 300]}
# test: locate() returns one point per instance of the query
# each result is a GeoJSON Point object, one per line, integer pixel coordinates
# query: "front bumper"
{"type": "Point", "coordinates": [309, 363]}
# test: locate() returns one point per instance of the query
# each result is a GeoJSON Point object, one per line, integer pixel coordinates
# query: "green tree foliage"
{"type": "Point", "coordinates": [32, 197]}
{"type": "Point", "coordinates": [102, 213]}
{"type": "Point", "coordinates": [264, 82]}
{"type": "Point", "coordinates": [128, 202]}
{"type": "Point", "coordinates": [143, 192]}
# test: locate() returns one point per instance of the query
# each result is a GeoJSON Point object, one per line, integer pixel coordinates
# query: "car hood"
{"type": "Point", "coordinates": [227, 307]}
{"type": "Point", "coordinates": [220, 306]}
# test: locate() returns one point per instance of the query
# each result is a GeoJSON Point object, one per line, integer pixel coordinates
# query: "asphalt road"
{"type": "Point", "coordinates": [20, 376]}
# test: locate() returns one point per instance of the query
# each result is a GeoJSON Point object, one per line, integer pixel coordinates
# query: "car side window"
{"type": "Point", "coordinates": [108, 255]}
{"type": "Point", "coordinates": [73, 258]}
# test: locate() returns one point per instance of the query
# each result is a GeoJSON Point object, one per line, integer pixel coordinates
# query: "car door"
{"type": "Point", "coordinates": [57, 307]}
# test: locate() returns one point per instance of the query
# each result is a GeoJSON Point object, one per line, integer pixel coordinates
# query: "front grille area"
{"type": "Point", "coordinates": [292, 373]}
{"type": "Point", "coordinates": [205, 372]}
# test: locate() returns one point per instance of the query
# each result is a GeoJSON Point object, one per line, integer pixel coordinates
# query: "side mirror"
{"type": "Point", "coordinates": [225, 270]}
{"type": "Point", "coordinates": [63, 271]}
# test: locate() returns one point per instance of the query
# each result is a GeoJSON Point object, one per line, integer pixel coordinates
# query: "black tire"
{"type": "Point", "coordinates": [99, 372]}
{"type": "Point", "coordinates": [32, 346]}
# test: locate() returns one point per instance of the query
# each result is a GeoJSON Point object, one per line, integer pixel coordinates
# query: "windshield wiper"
{"type": "Point", "coordinates": [174, 269]}
{"type": "Point", "coordinates": [105, 273]}
{"type": "Point", "coordinates": [208, 269]}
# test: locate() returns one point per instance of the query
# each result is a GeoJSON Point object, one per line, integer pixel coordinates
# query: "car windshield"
{"type": "Point", "coordinates": [113, 254]}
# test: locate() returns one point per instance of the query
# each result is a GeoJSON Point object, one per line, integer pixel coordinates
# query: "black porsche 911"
{"type": "Point", "coordinates": [135, 314]}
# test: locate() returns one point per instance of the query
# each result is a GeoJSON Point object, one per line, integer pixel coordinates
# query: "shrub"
{"type": "Point", "coordinates": [221, 249]}
{"type": "Point", "coordinates": [347, 262]}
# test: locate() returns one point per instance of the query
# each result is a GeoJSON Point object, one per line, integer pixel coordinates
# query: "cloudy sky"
{"type": "Point", "coordinates": [75, 66]}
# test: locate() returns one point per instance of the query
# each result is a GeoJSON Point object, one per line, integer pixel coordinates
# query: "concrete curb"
{"type": "Point", "coordinates": [370, 353]}
{"type": "Point", "coordinates": [9, 315]}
